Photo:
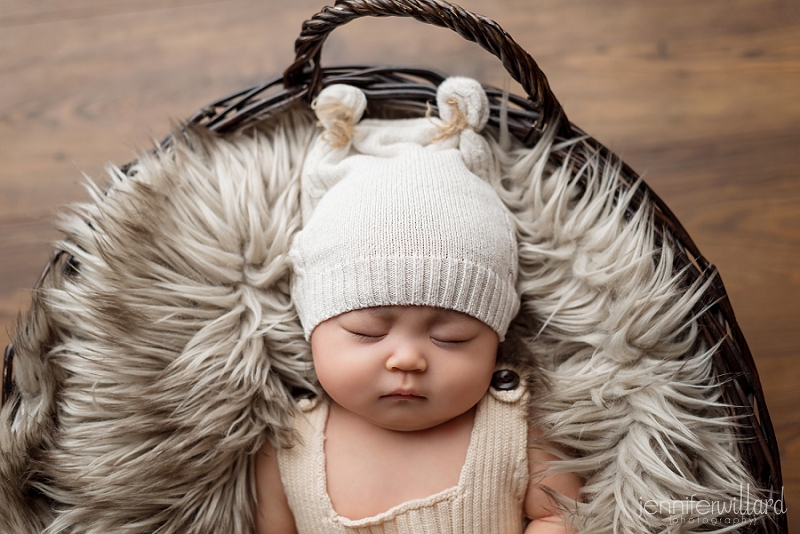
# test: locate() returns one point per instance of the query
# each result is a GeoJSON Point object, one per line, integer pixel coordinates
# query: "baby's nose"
{"type": "Point", "coordinates": [407, 358]}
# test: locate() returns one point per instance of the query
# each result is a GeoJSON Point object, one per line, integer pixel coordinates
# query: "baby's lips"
{"type": "Point", "coordinates": [404, 392]}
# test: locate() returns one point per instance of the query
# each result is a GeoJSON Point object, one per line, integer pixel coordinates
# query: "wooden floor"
{"type": "Point", "coordinates": [703, 98]}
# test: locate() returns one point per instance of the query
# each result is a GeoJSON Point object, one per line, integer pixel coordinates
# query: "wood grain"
{"type": "Point", "coordinates": [701, 97]}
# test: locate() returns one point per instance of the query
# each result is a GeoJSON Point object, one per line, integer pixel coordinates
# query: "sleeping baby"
{"type": "Point", "coordinates": [404, 282]}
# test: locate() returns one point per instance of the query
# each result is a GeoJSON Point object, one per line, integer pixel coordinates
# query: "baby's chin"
{"type": "Point", "coordinates": [409, 421]}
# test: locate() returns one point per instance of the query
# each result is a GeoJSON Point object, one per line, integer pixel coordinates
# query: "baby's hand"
{"type": "Point", "coordinates": [544, 514]}
{"type": "Point", "coordinates": [553, 524]}
{"type": "Point", "coordinates": [272, 513]}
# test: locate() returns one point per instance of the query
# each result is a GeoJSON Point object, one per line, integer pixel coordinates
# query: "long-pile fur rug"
{"type": "Point", "coordinates": [154, 366]}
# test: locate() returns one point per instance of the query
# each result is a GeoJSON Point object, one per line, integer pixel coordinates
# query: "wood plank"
{"type": "Point", "coordinates": [21, 12]}
{"type": "Point", "coordinates": [702, 97]}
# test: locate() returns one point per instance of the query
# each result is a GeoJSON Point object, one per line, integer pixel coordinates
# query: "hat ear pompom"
{"type": "Point", "coordinates": [475, 152]}
{"type": "Point", "coordinates": [459, 95]}
{"type": "Point", "coordinates": [339, 107]}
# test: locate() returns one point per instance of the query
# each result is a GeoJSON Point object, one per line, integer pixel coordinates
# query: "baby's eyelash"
{"type": "Point", "coordinates": [364, 337]}
{"type": "Point", "coordinates": [449, 343]}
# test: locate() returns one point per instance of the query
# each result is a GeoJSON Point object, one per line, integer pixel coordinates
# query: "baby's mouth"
{"type": "Point", "coordinates": [407, 394]}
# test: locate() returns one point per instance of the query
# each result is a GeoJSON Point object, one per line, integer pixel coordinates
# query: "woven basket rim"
{"type": "Point", "coordinates": [411, 91]}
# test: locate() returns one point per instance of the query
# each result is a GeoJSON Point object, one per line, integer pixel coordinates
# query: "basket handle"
{"type": "Point", "coordinates": [472, 27]}
{"type": "Point", "coordinates": [8, 372]}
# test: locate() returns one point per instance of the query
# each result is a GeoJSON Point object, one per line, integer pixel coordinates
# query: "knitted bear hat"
{"type": "Point", "coordinates": [399, 212]}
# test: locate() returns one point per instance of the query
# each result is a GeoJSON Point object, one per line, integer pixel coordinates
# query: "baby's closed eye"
{"type": "Point", "coordinates": [447, 344]}
{"type": "Point", "coordinates": [453, 334]}
{"type": "Point", "coordinates": [367, 337]}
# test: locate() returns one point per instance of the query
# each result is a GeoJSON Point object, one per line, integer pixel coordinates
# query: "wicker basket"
{"type": "Point", "coordinates": [408, 91]}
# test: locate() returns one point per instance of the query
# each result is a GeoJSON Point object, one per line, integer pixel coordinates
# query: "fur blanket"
{"type": "Point", "coordinates": [152, 367]}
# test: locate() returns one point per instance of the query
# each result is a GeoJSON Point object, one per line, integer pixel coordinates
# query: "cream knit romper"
{"type": "Point", "coordinates": [488, 498]}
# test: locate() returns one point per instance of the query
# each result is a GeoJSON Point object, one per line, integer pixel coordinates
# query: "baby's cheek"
{"type": "Point", "coordinates": [467, 386]}
{"type": "Point", "coordinates": [342, 378]}
{"type": "Point", "coordinates": [326, 372]}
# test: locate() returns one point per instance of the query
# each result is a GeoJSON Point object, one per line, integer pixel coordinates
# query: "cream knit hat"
{"type": "Point", "coordinates": [398, 212]}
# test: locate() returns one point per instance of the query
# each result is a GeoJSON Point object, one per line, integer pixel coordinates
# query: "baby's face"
{"type": "Point", "coordinates": [404, 367]}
